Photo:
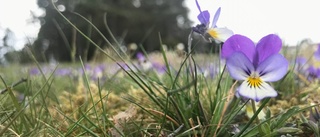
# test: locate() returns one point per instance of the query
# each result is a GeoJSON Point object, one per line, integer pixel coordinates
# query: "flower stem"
{"type": "Point", "coordinates": [254, 109]}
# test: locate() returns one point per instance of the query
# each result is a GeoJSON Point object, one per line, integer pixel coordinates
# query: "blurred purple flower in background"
{"type": "Point", "coordinates": [301, 61]}
{"type": "Point", "coordinates": [141, 57]}
{"type": "Point", "coordinates": [45, 70]}
{"type": "Point", "coordinates": [300, 65]}
{"type": "Point", "coordinates": [34, 71]}
{"type": "Point", "coordinates": [317, 53]}
{"type": "Point", "coordinates": [98, 72]}
{"type": "Point", "coordinates": [255, 65]}
{"type": "Point", "coordinates": [159, 68]}
{"type": "Point", "coordinates": [63, 72]}
{"type": "Point", "coordinates": [210, 70]}
{"type": "Point", "coordinates": [313, 73]}
{"type": "Point", "coordinates": [145, 65]}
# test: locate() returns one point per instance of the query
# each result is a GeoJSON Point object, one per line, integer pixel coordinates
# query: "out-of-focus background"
{"type": "Point", "coordinates": [34, 25]}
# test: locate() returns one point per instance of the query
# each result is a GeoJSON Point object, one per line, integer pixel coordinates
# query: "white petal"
{"type": "Point", "coordinates": [220, 34]}
{"type": "Point", "coordinates": [257, 93]}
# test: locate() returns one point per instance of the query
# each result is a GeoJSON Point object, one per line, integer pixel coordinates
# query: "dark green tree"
{"type": "Point", "coordinates": [130, 21]}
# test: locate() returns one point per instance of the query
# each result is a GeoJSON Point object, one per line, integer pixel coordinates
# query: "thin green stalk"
{"type": "Point", "coordinates": [165, 60]}
{"type": "Point", "coordinates": [104, 112]}
{"type": "Point", "coordinates": [86, 47]}
{"type": "Point", "coordinates": [14, 99]}
{"type": "Point", "coordinates": [77, 123]}
{"type": "Point", "coordinates": [164, 117]}
{"type": "Point", "coordinates": [255, 115]}
{"type": "Point", "coordinates": [88, 87]}
{"type": "Point", "coordinates": [253, 103]}
{"type": "Point", "coordinates": [50, 127]}
{"type": "Point", "coordinates": [113, 59]}
{"type": "Point", "coordinates": [19, 113]}
{"type": "Point", "coordinates": [200, 106]}
{"type": "Point", "coordinates": [84, 35]}
{"type": "Point", "coordinates": [111, 34]}
{"type": "Point", "coordinates": [13, 85]}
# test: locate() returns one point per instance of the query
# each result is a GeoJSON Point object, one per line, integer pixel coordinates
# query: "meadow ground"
{"type": "Point", "coordinates": [154, 95]}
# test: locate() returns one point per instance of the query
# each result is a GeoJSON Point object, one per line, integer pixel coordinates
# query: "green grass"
{"type": "Point", "coordinates": [131, 102]}
{"type": "Point", "coordinates": [135, 103]}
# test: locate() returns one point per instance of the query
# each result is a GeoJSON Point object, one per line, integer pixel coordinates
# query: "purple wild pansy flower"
{"type": "Point", "coordinates": [218, 34]}
{"type": "Point", "coordinates": [317, 53]}
{"type": "Point", "coordinates": [255, 65]}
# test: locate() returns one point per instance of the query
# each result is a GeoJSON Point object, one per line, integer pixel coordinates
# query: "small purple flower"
{"type": "Point", "coordinates": [143, 63]}
{"type": "Point", "coordinates": [63, 72]}
{"type": "Point", "coordinates": [34, 71]}
{"type": "Point", "coordinates": [160, 68]}
{"type": "Point", "coordinates": [301, 61]}
{"type": "Point", "coordinates": [300, 64]}
{"type": "Point", "coordinates": [313, 73]}
{"type": "Point", "coordinates": [210, 70]}
{"type": "Point", "coordinates": [140, 57]}
{"type": "Point", "coordinates": [255, 65]}
{"type": "Point", "coordinates": [98, 72]}
{"type": "Point", "coordinates": [317, 53]}
{"type": "Point", "coordinates": [218, 34]}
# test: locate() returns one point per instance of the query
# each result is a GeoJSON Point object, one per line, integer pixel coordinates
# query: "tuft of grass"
{"type": "Point", "coordinates": [183, 101]}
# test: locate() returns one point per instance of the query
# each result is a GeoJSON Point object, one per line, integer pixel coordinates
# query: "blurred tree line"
{"type": "Point", "coordinates": [130, 21]}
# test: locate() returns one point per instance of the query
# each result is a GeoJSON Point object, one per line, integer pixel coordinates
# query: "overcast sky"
{"type": "Point", "coordinates": [292, 20]}
{"type": "Point", "coordinates": [19, 20]}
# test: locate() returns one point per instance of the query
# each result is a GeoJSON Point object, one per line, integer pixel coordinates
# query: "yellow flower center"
{"type": "Point", "coordinates": [254, 81]}
{"type": "Point", "coordinates": [212, 33]}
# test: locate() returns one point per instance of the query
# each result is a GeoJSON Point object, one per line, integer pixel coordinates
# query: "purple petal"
{"type": "Point", "coordinates": [317, 53]}
{"type": "Point", "coordinates": [273, 68]}
{"type": "Point", "coordinates": [311, 69]}
{"type": "Point", "coordinates": [268, 45]}
{"type": "Point", "coordinates": [318, 73]}
{"type": "Point", "coordinates": [312, 72]}
{"type": "Point", "coordinates": [238, 43]}
{"type": "Point", "coordinates": [199, 8]}
{"type": "Point", "coordinates": [204, 17]}
{"type": "Point", "coordinates": [215, 18]}
{"type": "Point", "coordinates": [239, 66]}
